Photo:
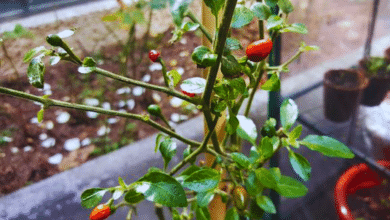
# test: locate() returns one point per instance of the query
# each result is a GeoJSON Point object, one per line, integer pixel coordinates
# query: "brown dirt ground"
{"type": "Point", "coordinates": [336, 26]}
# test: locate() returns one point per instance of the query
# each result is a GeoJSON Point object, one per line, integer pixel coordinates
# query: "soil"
{"type": "Point", "coordinates": [335, 26]}
{"type": "Point", "coordinates": [344, 79]}
{"type": "Point", "coordinates": [371, 204]}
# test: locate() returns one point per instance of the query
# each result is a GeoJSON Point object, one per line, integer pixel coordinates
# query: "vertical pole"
{"type": "Point", "coordinates": [274, 112]}
{"type": "Point", "coordinates": [371, 26]}
{"type": "Point", "coordinates": [217, 208]}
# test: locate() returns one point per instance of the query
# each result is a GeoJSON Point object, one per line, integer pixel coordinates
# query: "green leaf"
{"type": "Point", "coordinates": [232, 214]}
{"type": "Point", "coordinates": [187, 152]}
{"type": "Point", "coordinates": [168, 150]}
{"type": "Point", "coordinates": [328, 146]}
{"type": "Point", "coordinates": [272, 84]}
{"type": "Point", "coordinates": [174, 77]}
{"type": "Point", "coordinates": [241, 160]}
{"type": "Point", "coordinates": [261, 10]}
{"type": "Point", "coordinates": [252, 184]}
{"type": "Point", "coordinates": [265, 203]}
{"type": "Point", "coordinates": [266, 178]}
{"type": "Point", "coordinates": [92, 197]}
{"type": "Point", "coordinates": [247, 129]}
{"type": "Point", "coordinates": [288, 113]}
{"type": "Point", "coordinates": [300, 165]}
{"type": "Point", "coordinates": [202, 213]}
{"type": "Point", "coordinates": [221, 106]}
{"type": "Point", "coordinates": [232, 124]}
{"type": "Point", "coordinates": [253, 155]}
{"type": "Point", "coordinates": [161, 188]}
{"type": "Point", "coordinates": [239, 85]}
{"type": "Point", "coordinates": [290, 188]}
{"type": "Point", "coordinates": [255, 211]}
{"type": "Point", "coordinates": [296, 28]}
{"type": "Point", "coordinates": [303, 47]}
{"type": "Point", "coordinates": [189, 26]}
{"type": "Point", "coordinates": [274, 22]}
{"type": "Point", "coordinates": [286, 6]}
{"type": "Point", "coordinates": [266, 148]}
{"type": "Point", "coordinates": [89, 62]}
{"type": "Point", "coordinates": [233, 44]}
{"type": "Point", "coordinates": [194, 85]}
{"type": "Point", "coordinates": [40, 115]}
{"type": "Point", "coordinates": [187, 172]}
{"type": "Point", "coordinates": [35, 72]}
{"type": "Point", "coordinates": [202, 180]}
{"type": "Point", "coordinates": [294, 134]}
{"type": "Point", "coordinates": [122, 183]}
{"type": "Point", "coordinates": [204, 198]}
{"type": "Point", "coordinates": [230, 66]}
{"type": "Point", "coordinates": [110, 17]}
{"type": "Point", "coordinates": [117, 194]}
{"type": "Point", "coordinates": [242, 16]}
{"type": "Point", "coordinates": [214, 5]}
{"type": "Point", "coordinates": [158, 139]}
{"type": "Point", "coordinates": [271, 3]}
{"type": "Point", "coordinates": [177, 8]}
{"type": "Point", "coordinates": [158, 4]}
{"type": "Point", "coordinates": [31, 53]}
{"type": "Point", "coordinates": [133, 197]}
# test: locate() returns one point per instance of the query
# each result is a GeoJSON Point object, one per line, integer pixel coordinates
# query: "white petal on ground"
{"type": "Point", "coordinates": [63, 117]}
{"type": "Point", "coordinates": [123, 90]}
{"type": "Point", "coordinates": [7, 139]}
{"type": "Point", "coordinates": [92, 114]}
{"type": "Point", "coordinates": [112, 120]}
{"type": "Point", "coordinates": [14, 150]}
{"type": "Point", "coordinates": [175, 117]}
{"type": "Point", "coordinates": [176, 102]}
{"type": "Point", "coordinates": [42, 136]}
{"type": "Point", "coordinates": [121, 104]}
{"type": "Point", "coordinates": [106, 105]}
{"type": "Point", "coordinates": [183, 41]}
{"type": "Point", "coordinates": [103, 130]}
{"type": "Point", "coordinates": [146, 78]}
{"type": "Point", "coordinates": [183, 117]}
{"type": "Point", "coordinates": [47, 92]}
{"type": "Point", "coordinates": [27, 148]}
{"type": "Point", "coordinates": [86, 142]}
{"type": "Point", "coordinates": [156, 97]}
{"type": "Point", "coordinates": [180, 70]}
{"type": "Point", "coordinates": [91, 102]}
{"type": "Point", "coordinates": [155, 66]}
{"type": "Point", "coordinates": [184, 54]}
{"type": "Point", "coordinates": [34, 120]}
{"type": "Point", "coordinates": [130, 104]}
{"type": "Point", "coordinates": [72, 144]}
{"type": "Point", "coordinates": [46, 86]}
{"type": "Point", "coordinates": [65, 33]}
{"type": "Point", "coordinates": [49, 125]}
{"type": "Point", "coordinates": [137, 91]}
{"type": "Point", "coordinates": [66, 98]}
{"type": "Point", "coordinates": [55, 159]}
{"type": "Point", "coordinates": [50, 142]}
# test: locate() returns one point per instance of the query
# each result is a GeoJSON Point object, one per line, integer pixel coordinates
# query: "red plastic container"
{"type": "Point", "coordinates": [355, 178]}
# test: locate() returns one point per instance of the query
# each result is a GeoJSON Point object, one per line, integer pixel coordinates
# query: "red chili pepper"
{"type": "Point", "coordinates": [188, 93]}
{"type": "Point", "coordinates": [100, 212]}
{"type": "Point", "coordinates": [154, 55]}
{"type": "Point", "coordinates": [259, 50]}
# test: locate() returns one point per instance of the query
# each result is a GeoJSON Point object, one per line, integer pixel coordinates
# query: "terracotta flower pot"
{"type": "Point", "coordinates": [377, 88]}
{"type": "Point", "coordinates": [342, 90]}
{"type": "Point", "coordinates": [355, 178]}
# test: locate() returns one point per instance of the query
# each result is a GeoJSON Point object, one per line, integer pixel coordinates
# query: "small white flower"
{"type": "Point", "coordinates": [50, 142]}
{"type": "Point", "coordinates": [130, 104]}
{"type": "Point", "coordinates": [137, 91]}
{"type": "Point", "coordinates": [155, 66]}
{"type": "Point", "coordinates": [176, 102]}
{"type": "Point", "coordinates": [14, 150]}
{"type": "Point", "coordinates": [123, 90]}
{"type": "Point", "coordinates": [72, 144]}
{"type": "Point", "coordinates": [112, 120]}
{"type": "Point", "coordinates": [27, 148]}
{"type": "Point", "coordinates": [106, 105]}
{"type": "Point", "coordinates": [55, 159]}
{"type": "Point", "coordinates": [42, 136]}
{"type": "Point", "coordinates": [175, 117]}
{"type": "Point", "coordinates": [63, 117]}
{"type": "Point", "coordinates": [86, 142]}
{"type": "Point", "coordinates": [146, 78]}
{"type": "Point", "coordinates": [92, 114]}
{"type": "Point", "coordinates": [156, 97]}
{"type": "Point", "coordinates": [103, 130]}
{"type": "Point", "coordinates": [180, 70]}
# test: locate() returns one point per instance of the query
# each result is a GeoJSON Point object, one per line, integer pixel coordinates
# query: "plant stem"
{"type": "Point", "coordinates": [51, 102]}
{"type": "Point", "coordinates": [191, 16]}
{"type": "Point", "coordinates": [254, 89]}
{"type": "Point", "coordinates": [220, 45]}
{"type": "Point", "coordinates": [146, 85]}
{"type": "Point", "coordinates": [196, 152]}
{"type": "Point", "coordinates": [71, 53]}
{"type": "Point", "coordinates": [164, 72]}
{"type": "Point", "coordinates": [159, 212]}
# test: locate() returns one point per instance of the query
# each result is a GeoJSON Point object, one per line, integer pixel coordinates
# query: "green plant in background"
{"type": "Point", "coordinates": [246, 177]}
{"type": "Point", "coordinates": [375, 64]}
{"type": "Point", "coordinates": [18, 32]}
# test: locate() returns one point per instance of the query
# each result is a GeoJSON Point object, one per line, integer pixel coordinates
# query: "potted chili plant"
{"type": "Point", "coordinates": [358, 177]}
{"type": "Point", "coordinates": [377, 69]}
{"type": "Point", "coordinates": [342, 89]}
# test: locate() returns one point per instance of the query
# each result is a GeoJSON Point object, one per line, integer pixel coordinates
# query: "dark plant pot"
{"type": "Point", "coordinates": [377, 88]}
{"type": "Point", "coordinates": [341, 98]}
{"type": "Point", "coordinates": [355, 178]}
{"type": "Point", "coordinates": [387, 54]}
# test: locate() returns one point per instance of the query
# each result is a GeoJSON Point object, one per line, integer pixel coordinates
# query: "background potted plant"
{"type": "Point", "coordinates": [342, 89]}
{"type": "Point", "coordinates": [377, 69]}
{"type": "Point", "coordinates": [356, 178]}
